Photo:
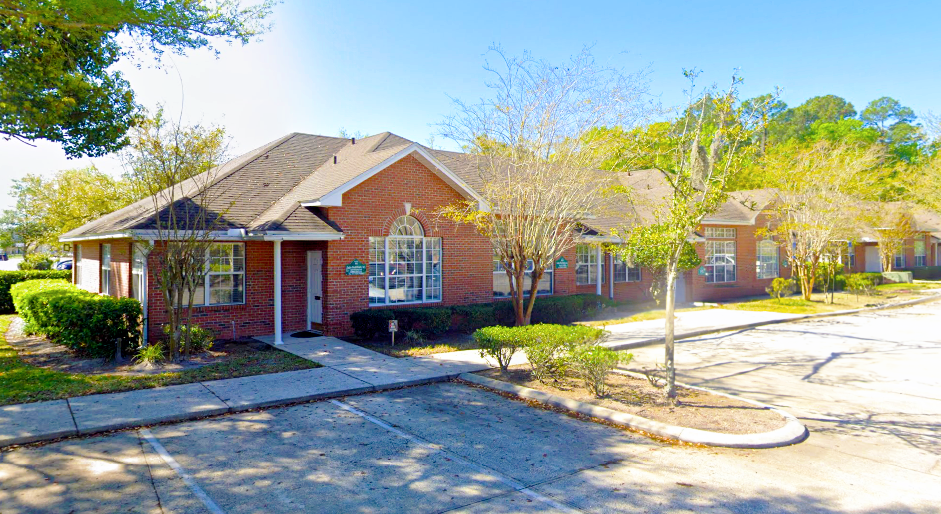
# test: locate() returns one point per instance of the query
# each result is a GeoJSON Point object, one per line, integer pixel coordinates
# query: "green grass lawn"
{"type": "Point", "coordinates": [787, 306]}
{"type": "Point", "coordinates": [449, 342]}
{"type": "Point", "coordinates": [21, 383]}
{"type": "Point", "coordinates": [906, 287]}
{"type": "Point", "coordinates": [640, 316]}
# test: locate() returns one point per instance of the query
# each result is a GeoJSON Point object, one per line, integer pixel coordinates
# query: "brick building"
{"type": "Point", "coordinates": [314, 228]}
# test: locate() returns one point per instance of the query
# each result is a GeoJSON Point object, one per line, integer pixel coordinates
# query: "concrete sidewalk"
{"type": "Point", "coordinates": [348, 369]}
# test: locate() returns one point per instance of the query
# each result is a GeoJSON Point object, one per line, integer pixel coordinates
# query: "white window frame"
{"type": "Point", "coordinates": [499, 274]}
{"type": "Point", "coordinates": [923, 256]}
{"type": "Point", "coordinates": [429, 278]}
{"type": "Point", "coordinates": [851, 255]}
{"type": "Point", "coordinates": [586, 256]}
{"type": "Point", "coordinates": [767, 263]}
{"type": "Point", "coordinates": [208, 274]}
{"type": "Point", "coordinates": [898, 260]}
{"type": "Point", "coordinates": [728, 248]}
{"type": "Point", "coordinates": [104, 277]}
{"type": "Point", "coordinates": [720, 233]}
{"type": "Point", "coordinates": [77, 265]}
{"type": "Point", "coordinates": [625, 273]}
{"type": "Point", "coordinates": [137, 273]}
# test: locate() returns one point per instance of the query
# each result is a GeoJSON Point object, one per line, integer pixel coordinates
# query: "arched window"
{"type": "Point", "coordinates": [406, 226]}
{"type": "Point", "coordinates": [406, 266]}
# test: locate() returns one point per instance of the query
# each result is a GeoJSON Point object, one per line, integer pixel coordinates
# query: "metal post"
{"type": "Point", "coordinates": [277, 292]}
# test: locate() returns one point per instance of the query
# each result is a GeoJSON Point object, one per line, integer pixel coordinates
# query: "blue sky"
{"type": "Point", "coordinates": [376, 66]}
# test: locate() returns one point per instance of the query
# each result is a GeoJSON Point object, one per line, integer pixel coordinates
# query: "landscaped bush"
{"type": "Point", "coordinates": [838, 279]}
{"type": "Point", "coordinates": [592, 363]}
{"type": "Point", "coordinates": [874, 278]}
{"type": "Point", "coordinates": [781, 287]}
{"type": "Point", "coordinates": [430, 321]}
{"type": "Point", "coordinates": [93, 325]}
{"type": "Point", "coordinates": [368, 323]}
{"type": "Point", "coordinates": [501, 343]}
{"type": "Point", "coordinates": [201, 339]}
{"type": "Point", "coordinates": [555, 309]}
{"type": "Point", "coordinates": [547, 347]}
{"type": "Point", "coordinates": [8, 278]}
{"type": "Point", "coordinates": [471, 317]}
{"type": "Point", "coordinates": [859, 283]}
{"type": "Point", "coordinates": [35, 262]}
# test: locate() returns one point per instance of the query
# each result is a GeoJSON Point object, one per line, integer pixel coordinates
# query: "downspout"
{"type": "Point", "coordinates": [144, 288]}
{"type": "Point", "coordinates": [277, 292]}
{"type": "Point", "coordinates": [611, 277]}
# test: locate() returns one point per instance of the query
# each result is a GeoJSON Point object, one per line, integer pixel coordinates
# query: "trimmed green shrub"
{"type": "Point", "coordinates": [201, 339]}
{"type": "Point", "coordinates": [555, 309]}
{"type": "Point", "coordinates": [592, 363]}
{"type": "Point", "coordinates": [430, 321]}
{"type": "Point", "coordinates": [781, 287]}
{"type": "Point", "coordinates": [8, 278]}
{"type": "Point", "coordinates": [471, 317]}
{"type": "Point", "coordinates": [859, 283]}
{"type": "Point", "coordinates": [152, 354]}
{"type": "Point", "coordinates": [547, 347]}
{"type": "Point", "coordinates": [368, 323]}
{"type": "Point", "coordinates": [90, 324]}
{"type": "Point", "coordinates": [35, 262]}
{"type": "Point", "coordinates": [501, 343]}
{"type": "Point", "coordinates": [875, 278]}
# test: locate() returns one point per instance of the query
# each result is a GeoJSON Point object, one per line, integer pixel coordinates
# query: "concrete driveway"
{"type": "Point", "coordinates": [448, 447]}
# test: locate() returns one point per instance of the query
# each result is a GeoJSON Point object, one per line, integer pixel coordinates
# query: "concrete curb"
{"type": "Point", "coordinates": [804, 317]}
{"type": "Point", "coordinates": [792, 432]}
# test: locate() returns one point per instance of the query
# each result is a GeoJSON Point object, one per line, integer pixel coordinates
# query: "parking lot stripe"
{"type": "Point", "coordinates": [187, 479]}
{"type": "Point", "coordinates": [519, 486]}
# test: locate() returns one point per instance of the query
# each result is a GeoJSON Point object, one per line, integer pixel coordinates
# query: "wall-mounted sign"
{"type": "Point", "coordinates": [561, 263]}
{"type": "Point", "coordinates": [356, 268]}
{"type": "Point", "coordinates": [702, 271]}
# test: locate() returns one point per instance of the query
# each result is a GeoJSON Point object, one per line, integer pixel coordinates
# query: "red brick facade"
{"type": "Point", "coordinates": [369, 210]}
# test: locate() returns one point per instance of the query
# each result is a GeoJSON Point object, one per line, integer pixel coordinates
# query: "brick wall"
{"type": "Point", "coordinates": [369, 210]}
{"type": "Point", "coordinates": [746, 281]}
{"type": "Point", "coordinates": [91, 265]}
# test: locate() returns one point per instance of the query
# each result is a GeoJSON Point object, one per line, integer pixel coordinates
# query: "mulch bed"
{"type": "Point", "coordinates": [696, 409]}
{"type": "Point", "coordinates": [39, 352]}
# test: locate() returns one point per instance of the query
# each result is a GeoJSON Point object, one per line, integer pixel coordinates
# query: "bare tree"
{"type": "Point", "coordinates": [893, 225]}
{"type": "Point", "coordinates": [537, 151]}
{"type": "Point", "coordinates": [819, 189]}
{"type": "Point", "coordinates": [701, 148]}
{"type": "Point", "coordinates": [174, 166]}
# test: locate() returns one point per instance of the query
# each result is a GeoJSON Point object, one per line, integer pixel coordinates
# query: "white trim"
{"type": "Point", "coordinates": [216, 235]}
{"type": "Point", "coordinates": [600, 278]}
{"type": "Point", "coordinates": [302, 236]}
{"type": "Point", "coordinates": [717, 221]}
{"type": "Point", "coordinates": [106, 235]}
{"type": "Point", "coordinates": [335, 198]}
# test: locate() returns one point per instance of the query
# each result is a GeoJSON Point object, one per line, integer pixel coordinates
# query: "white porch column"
{"type": "Point", "coordinates": [598, 274]}
{"type": "Point", "coordinates": [611, 277]}
{"type": "Point", "coordinates": [277, 293]}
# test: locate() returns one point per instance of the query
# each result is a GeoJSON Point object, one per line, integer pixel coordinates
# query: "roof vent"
{"type": "Point", "coordinates": [354, 140]}
{"type": "Point", "coordinates": [334, 159]}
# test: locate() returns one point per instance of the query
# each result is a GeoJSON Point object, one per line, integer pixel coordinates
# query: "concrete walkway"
{"type": "Point", "coordinates": [347, 369]}
{"type": "Point", "coordinates": [639, 333]}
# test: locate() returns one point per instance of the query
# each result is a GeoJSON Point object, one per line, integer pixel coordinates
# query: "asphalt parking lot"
{"type": "Point", "coordinates": [453, 448]}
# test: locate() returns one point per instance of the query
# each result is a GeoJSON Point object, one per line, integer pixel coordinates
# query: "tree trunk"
{"type": "Point", "coordinates": [668, 339]}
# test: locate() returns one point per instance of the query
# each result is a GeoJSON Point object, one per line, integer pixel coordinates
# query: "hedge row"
{"type": "Point", "coordinates": [433, 321]}
{"type": "Point", "coordinates": [93, 325]}
{"type": "Point", "coordinates": [8, 278]}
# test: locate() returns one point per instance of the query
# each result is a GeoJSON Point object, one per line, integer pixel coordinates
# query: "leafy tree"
{"type": "Point", "coordinates": [536, 161]}
{"type": "Point", "coordinates": [892, 224]}
{"type": "Point", "coordinates": [57, 80]}
{"type": "Point", "coordinates": [697, 175]}
{"type": "Point", "coordinates": [67, 200]}
{"type": "Point", "coordinates": [884, 112]}
{"type": "Point", "coordinates": [794, 123]}
{"type": "Point", "coordinates": [160, 157]}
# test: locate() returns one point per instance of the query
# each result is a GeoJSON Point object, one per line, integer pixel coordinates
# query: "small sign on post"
{"type": "Point", "coordinates": [702, 271]}
{"type": "Point", "coordinates": [393, 328]}
{"type": "Point", "coordinates": [561, 263]}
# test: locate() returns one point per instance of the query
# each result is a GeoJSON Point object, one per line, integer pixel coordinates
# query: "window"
{"type": "Point", "coordinates": [720, 233]}
{"type": "Point", "coordinates": [625, 273]}
{"type": "Point", "coordinates": [225, 275]}
{"type": "Point", "coordinates": [899, 258]}
{"type": "Point", "coordinates": [767, 265]}
{"type": "Point", "coordinates": [406, 266]}
{"type": "Point", "coordinates": [78, 265]}
{"type": "Point", "coordinates": [720, 261]}
{"type": "Point", "coordinates": [137, 273]}
{"type": "Point", "coordinates": [851, 255]}
{"type": "Point", "coordinates": [501, 282]}
{"type": "Point", "coordinates": [587, 265]}
{"type": "Point", "coordinates": [921, 254]}
{"type": "Point", "coordinates": [105, 285]}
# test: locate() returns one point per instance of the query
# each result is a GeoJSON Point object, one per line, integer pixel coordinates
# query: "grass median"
{"type": "Point", "coordinates": [23, 383]}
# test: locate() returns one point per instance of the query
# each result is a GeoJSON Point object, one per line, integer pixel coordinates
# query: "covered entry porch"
{"type": "Point", "coordinates": [298, 286]}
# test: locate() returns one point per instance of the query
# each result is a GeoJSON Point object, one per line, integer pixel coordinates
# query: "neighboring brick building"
{"type": "Point", "coordinates": [348, 225]}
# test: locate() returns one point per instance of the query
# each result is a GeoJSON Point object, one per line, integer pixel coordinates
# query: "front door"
{"type": "Point", "coordinates": [873, 262]}
{"type": "Point", "coordinates": [680, 291]}
{"type": "Point", "coordinates": [315, 289]}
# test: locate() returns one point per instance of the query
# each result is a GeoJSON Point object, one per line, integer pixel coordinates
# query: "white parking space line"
{"type": "Point", "coordinates": [187, 479]}
{"type": "Point", "coordinates": [457, 458]}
